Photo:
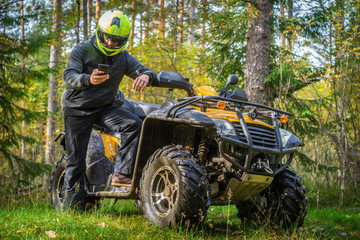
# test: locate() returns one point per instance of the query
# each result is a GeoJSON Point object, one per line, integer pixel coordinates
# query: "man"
{"type": "Point", "coordinates": [89, 99]}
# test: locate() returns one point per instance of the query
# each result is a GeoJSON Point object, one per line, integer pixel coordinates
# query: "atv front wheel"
{"type": "Point", "coordinates": [291, 199]}
{"type": "Point", "coordinates": [174, 189]}
{"type": "Point", "coordinates": [283, 202]}
{"type": "Point", "coordinates": [56, 184]}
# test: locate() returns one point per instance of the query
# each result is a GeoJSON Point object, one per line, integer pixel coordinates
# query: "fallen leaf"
{"type": "Point", "coordinates": [210, 225]}
{"type": "Point", "coordinates": [219, 229]}
{"type": "Point", "coordinates": [18, 231]}
{"type": "Point", "coordinates": [50, 233]}
{"type": "Point", "coordinates": [37, 229]}
{"type": "Point", "coordinates": [102, 225]}
{"type": "Point", "coordinates": [236, 233]}
{"type": "Point", "coordinates": [317, 228]}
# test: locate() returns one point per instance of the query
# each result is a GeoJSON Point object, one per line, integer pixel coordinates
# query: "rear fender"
{"type": "Point", "coordinates": [98, 165]}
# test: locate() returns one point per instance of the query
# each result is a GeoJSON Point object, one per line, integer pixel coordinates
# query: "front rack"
{"type": "Point", "coordinates": [210, 101]}
{"type": "Point", "coordinates": [242, 107]}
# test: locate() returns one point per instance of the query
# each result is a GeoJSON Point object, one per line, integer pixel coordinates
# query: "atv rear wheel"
{"type": "Point", "coordinates": [283, 202]}
{"type": "Point", "coordinates": [56, 184]}
{"type": "Point", "coordinates": [174, 189]}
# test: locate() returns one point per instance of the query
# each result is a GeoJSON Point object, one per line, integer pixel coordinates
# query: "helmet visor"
{"type": "Point", "coordinates": [120, 40]}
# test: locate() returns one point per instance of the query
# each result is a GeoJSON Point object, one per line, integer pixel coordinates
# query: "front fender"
{"type": "Point", "coordinates": [159, 130]}
{"type": "Point", "coordinates": [189, 116]}
{"type": "Point", "coordinates": [289, 140]}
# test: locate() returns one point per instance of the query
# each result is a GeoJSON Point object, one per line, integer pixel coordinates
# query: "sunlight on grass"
{"type": "Point", "coordinates": [33, 218]}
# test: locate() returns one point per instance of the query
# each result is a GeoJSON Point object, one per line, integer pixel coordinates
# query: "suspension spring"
{"type": "Point", "coordinates": [203, 149]}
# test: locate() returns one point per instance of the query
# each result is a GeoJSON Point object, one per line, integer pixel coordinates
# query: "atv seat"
{"type": "Point", "coordinates": [143, 109]}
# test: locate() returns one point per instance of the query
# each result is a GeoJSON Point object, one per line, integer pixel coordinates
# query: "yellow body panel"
{"type": "Point", "coordinates": [249, 120]}
{"type": "Point", "coordinates": [111, 145]}
{"type": "Point", "coordinates": [206, 91]}
{"type": "Point", "coordinates": [231, 116]}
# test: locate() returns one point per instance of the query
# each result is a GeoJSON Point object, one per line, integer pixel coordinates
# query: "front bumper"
{"type": "Point", "coordinates": [249, 148]}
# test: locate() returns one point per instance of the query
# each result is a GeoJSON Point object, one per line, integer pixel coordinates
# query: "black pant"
{"type": "Point", "coordinates": [77, 135]}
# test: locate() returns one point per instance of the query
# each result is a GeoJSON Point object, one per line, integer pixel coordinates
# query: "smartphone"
{"type": "Point", "coordinates": [104, 68]}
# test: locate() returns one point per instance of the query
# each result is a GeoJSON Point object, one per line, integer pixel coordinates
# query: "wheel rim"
{"type": "Point", "coordinates": [59, 186]}
{"type": "Point", "coordinates": [164, 191]}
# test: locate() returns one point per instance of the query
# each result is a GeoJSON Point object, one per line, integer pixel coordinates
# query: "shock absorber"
{"type": "Point", "coordinates": [203, 149]}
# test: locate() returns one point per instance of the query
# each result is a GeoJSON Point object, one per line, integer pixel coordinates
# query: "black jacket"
{"type": "Point", "coordinates": [82, 98]}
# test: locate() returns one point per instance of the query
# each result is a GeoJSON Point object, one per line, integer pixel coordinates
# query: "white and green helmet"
{"type": "Point", "coordinates": [115, 25]}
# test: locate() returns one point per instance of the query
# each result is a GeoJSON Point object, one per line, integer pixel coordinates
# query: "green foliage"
{"type": "Point", "coordinates": [314, 23]}
{"type": "Point", "coordinates": [225, 42]}
{"type": "Point", "coordinates": [166, 55]}
{"type": "Point", "coordinates": [328, 194]}
{"type": "Point", "coordinates": [310, 165]}
{"type": "Point", "coordinates": [13, 79]}
{"type": "Point", "coordinates": [18, 107]}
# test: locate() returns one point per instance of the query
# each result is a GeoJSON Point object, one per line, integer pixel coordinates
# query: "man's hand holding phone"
{"type": "Point", "coordinates": [100, 74]}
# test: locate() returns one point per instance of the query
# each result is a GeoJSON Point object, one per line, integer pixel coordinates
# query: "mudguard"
{"type": "Point", "coordinates": [289, 140]}
{"type": "Point", "coordinates": [189, 116]}
{"type": "Point", "coordinates": [98, 166]}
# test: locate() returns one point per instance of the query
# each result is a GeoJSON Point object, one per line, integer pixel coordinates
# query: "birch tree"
{"type": "Point", "coordinates": [53, 82]}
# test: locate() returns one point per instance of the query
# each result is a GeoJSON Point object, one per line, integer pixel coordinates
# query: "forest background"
{"type": "Point", "coordinates": [311, 69]}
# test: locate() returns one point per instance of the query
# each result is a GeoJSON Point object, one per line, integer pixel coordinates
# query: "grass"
{"type": "Point", "coordinates": [33, 218]}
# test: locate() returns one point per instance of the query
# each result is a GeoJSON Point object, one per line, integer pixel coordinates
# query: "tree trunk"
{"type": "Point", "coordinates": [90, 14]}
{"type": "Point", "coordinates": [316, 175]}
{"type": "Point", "coordinates": [77, 27]}
{"type": "Point", "coordinates": [97, 11]}
{"type": "Point", "coordinates": [204, 17]}
{"type": "Point", "coordinates": [341, 98]}
{"type": "Point", "coordinates": [290, 16]}
{"type": "Point", "coordinates": [257, 51]}
{"type": "Point", "coordinates": [53, 84]}
{"type": "Point", "coordinates": [23, 125]}
{"type": "Point", "coordinates": [162, 19]}
{"type": "Point", "coordinates": [85, 22]}
{"type": "Point", "coordinates": [181, 23]}
{"type": "Point", "coordinates": [133, 18]}
{"type": "Point", "coordinates": [141, 31]}
{"type": "Point", "coordinates": [282, 17]}
{"type": "Point", "coordinates": [192, 19]}
{"type": "Point", "coordinates": [147, 18]}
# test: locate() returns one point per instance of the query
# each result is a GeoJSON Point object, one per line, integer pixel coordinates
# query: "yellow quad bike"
{"type": "Point", "coordinates": [207, 148]}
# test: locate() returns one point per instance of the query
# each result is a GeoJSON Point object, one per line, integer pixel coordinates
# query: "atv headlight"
{"type": "Point", "coordinates": [289, 140]}
{"type": "Point", "coordinates": [224, 127]}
